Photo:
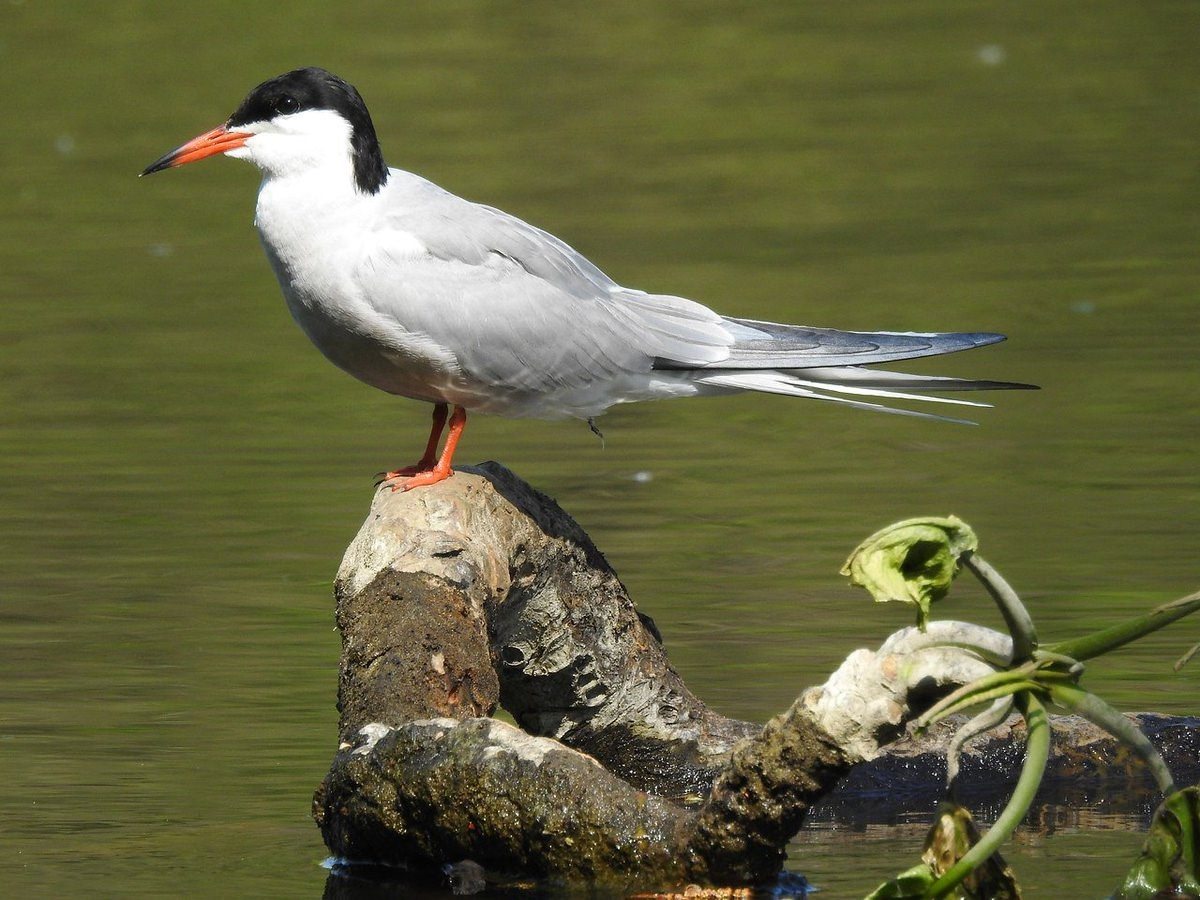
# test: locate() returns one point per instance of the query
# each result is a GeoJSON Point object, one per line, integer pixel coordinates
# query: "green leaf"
{"type": "Point", "coordinates": [913, 561]}
{"type": "Point", "coordinates": [1169, 864]}
{"type": "Point", "coordinates": [908, 885]}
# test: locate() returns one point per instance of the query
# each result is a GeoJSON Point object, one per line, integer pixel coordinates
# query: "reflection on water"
{"type": "Point", "coordinates": [183, 471]}
{"type": "Point", "coordinates": [1084, 855]}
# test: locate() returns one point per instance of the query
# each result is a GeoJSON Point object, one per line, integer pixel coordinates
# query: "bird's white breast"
{"type": "Point", "coordinates": [316, 234]}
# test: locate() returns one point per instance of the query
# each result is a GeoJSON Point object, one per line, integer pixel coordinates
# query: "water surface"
{"type": "Point", "coordinates": [182, 471]}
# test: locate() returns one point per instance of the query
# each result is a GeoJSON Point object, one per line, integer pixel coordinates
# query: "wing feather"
{"type": "Point", "coordinates": [525, 315]}
{"type": "Point", "coordinates": [517, 306]}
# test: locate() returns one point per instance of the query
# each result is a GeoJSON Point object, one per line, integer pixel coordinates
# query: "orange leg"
{"type": "Point", "coordinates": [429, 457]}
{"type": "Point", "coordinates": [441, 470]}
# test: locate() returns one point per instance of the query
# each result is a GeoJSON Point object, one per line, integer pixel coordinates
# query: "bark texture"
{"type": "Point", "coordinates": [481, 589]}
{"type": "Point", "coordinates": [481, 592]}
{"type": "Point", "coordinates": [436, 790]}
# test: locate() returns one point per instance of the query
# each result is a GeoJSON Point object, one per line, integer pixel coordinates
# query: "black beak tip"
{"type": "Point", "coordinates": [157, 166]}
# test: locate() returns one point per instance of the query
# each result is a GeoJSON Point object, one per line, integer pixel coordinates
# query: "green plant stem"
{"type": "Point", "coordinates": [978, 686]}
{"type": "Point", "coordinates": [1097, 711]}
{"type": "Point", "coordinates": [1006, 681]}
{"type": "Point", "coordinates": [1072, 669]}
{"type": "Point", "coordinates": [1037, 750]}
{"type": "Point", "coordinates": [1100, 642]}
{"type": "Point", "coordinates": [1016, 616]}
{"type": "Point", "coordinates": [984, 696]}
{"type": "Point", "coordinates": [1186, 658]}
{"type": "Point", "coordinates": [995, 660]}
{"type": "Point", "coordinates": [989, 718]}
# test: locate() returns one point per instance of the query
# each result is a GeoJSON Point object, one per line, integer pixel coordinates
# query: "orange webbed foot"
{"type": "Point", "coordinates": [427, 471]}
{"type": "Point", "coordinates": [422, 479]}
{"type": "Point", "coordinates": [425, 465]}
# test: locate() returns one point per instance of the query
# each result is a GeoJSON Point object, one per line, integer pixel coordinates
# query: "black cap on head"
{"type": "Point", "coordinates": [315, 88]}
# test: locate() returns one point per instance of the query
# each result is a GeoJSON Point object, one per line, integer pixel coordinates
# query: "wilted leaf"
{"type": "Point", "coordinates": [952, 835]}
{"type": "Point", "coordinates": [912, 561]}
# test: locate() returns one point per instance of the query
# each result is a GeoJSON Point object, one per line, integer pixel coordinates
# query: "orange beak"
{"type": "Point", "coordinates": [219, 140]}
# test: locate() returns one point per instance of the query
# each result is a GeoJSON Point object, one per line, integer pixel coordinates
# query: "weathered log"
{"type": "Point", "coordinates": [440, 790]}
{"type": "Point", "coordinates": [479, 592]}
{"type": "Point", "coordinates": [482, 589]}
{"type": "Point", "coordinates": [437, 790]}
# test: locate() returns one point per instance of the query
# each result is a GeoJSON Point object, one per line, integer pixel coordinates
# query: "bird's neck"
{"type": "Point", "coordinates": [303, 217]}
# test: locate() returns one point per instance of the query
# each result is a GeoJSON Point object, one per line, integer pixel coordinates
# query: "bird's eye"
{"type": "Point", "coordinates": [285, 105]}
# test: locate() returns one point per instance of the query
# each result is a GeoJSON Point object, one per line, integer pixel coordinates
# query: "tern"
{"type": "Point", "coordinates": [421, 293]}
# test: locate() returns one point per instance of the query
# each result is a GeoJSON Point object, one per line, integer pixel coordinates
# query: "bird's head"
{"type": "Point", "coordinates": [299, 121]}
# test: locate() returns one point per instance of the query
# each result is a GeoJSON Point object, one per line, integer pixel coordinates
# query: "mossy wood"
{"type": "Point", "coordinates": [481, 592]}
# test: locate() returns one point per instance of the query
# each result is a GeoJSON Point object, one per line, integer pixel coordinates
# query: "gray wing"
{"type": "Point", "coordinates": [520, 309]}
{"type": "Point", "coordinates": [508, 328]}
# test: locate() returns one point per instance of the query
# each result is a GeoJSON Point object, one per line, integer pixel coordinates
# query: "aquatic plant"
{"type": "Point", "coordinates": [915, 561]}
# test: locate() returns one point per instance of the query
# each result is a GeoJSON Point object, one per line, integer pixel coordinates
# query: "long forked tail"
{"type": "Point", "coordinates": [826, 364]}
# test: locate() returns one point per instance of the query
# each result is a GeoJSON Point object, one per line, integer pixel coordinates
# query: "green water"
{"type": "Point", "coordinates": [181, 471]}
